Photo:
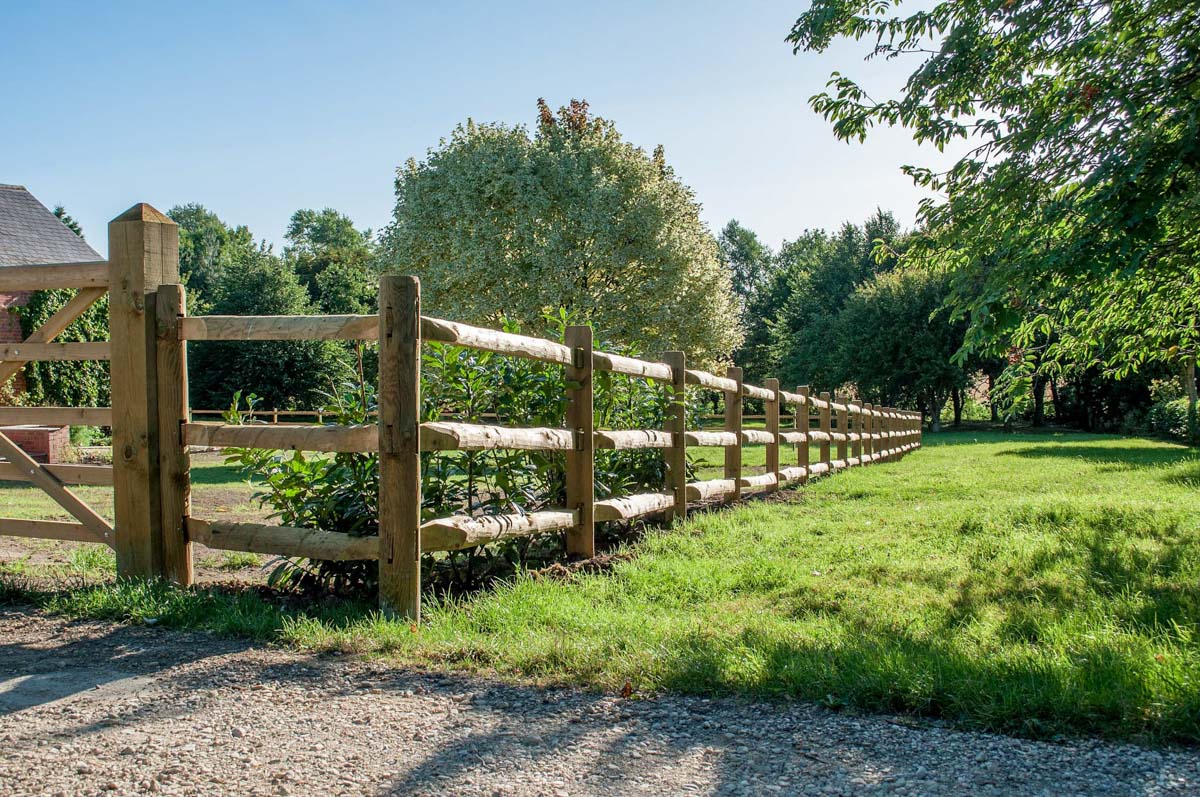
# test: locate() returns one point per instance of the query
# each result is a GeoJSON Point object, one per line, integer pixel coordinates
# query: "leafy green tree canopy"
{"type": "Point", "coordinates": [748, 259]}
{"type": "Point", "coordinates": [333, 260]}
{"type": "Point", "coordinates": [896, 341]}
{"type": "Point", "coordinates": [281, 373]}
{"type": "Point", "coordinates": [207, 248]}
{"type": "Point", "coordinates": [496, 221]}
{"type": "Point", "coordinates": [820, 272]}
{"type": "Point", "coordinates": [1077, 205]}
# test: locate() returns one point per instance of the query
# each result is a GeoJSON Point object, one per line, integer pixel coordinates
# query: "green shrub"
{"type": "Point", "coordinates": [338, 492]}
{"type": "Point", "coordinates": [1168, 416]}
{"type": "Point", "coordinates": [1168, 419]}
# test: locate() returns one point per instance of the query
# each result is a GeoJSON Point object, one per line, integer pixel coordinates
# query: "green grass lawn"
{"type": "Point", "coordinates": [217, 489]}
{"type": "Point", "coordinates": [1036, 584]}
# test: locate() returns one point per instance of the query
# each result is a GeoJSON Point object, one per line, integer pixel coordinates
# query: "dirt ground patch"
{"type": "Point", "coordinates": [92, 708]}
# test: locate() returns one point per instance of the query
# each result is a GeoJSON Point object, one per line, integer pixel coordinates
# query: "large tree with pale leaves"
{"type": "Point", "coordinates": [497, 221]}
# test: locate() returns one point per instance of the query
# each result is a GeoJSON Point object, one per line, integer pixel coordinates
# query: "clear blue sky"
{"type": "Point", "coordinates": [257, 109]}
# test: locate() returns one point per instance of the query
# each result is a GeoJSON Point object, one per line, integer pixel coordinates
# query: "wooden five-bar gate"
{"type": "Point", "coordinates": [154, 525]}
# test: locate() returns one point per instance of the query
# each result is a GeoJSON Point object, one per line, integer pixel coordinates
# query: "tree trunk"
{"type": "Point", "coordinates": [1039, 401]}
{"type": "Point", "coordinates": [935, 412]}
{"type": "Point", "coordinates": [957, 397]}
{"type": "Point", "coordinates": [1058, 415]}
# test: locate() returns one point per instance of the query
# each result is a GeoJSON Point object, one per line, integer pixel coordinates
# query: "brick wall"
{"type": "Point", "coordinates": [10, 331]}
{"type": "Point", "coordinates": [43, 443]}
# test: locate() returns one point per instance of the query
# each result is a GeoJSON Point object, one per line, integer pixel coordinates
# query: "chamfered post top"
{"type": "Point", "coordinates": [144, 212]}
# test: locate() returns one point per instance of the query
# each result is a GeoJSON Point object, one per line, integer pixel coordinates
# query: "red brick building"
{"type": "Point", "coordinates": [31, 234]}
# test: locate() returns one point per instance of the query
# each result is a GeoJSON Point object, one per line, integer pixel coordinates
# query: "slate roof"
{"type": "Point", "coordinates": [30, 233]}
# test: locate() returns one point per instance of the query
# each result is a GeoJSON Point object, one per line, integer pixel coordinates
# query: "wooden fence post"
{"type": "Point", "coordinates": [733, 423]}
{"type": "Point", "coordinates": [400, 447]}
{"type": "Point", "coordinates": [174, 461]}
{"type": "Point", "coordinates": [890, 421]}
{"type": "Point", "coordinates": [676, 424]}
{"type": "Point", "coordinates": [856, 426]}
{"type": "Point", "coordinates": [581, 460]}
{"type": "Point", "coordinates": [842, 442]}
{"type": "Point", "coordinates": [143, 253]}
{"type": "Point", "coordinates": [772, 408]}
{"type": "Point", "coordinates": [868, 432]}
{"type": "Point", "coordinates": [803, 424]}
{"type": "Point", "coordinates": [826, 429]}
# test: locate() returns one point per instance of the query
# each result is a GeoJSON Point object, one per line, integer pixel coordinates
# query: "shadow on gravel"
{"type": "Point", "coordinates": [104, 666]}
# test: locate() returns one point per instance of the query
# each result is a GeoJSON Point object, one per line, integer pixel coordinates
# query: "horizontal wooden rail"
{"type": "Point", "coordinates": [56, 416]}
{"type": "Point", "coordinates": [754, 391]}
{"type": "Point", "coordinates": [46, 529]}
{"type": "Point", "coordinates": [366, 327]}
{"type": "Point", "coordinates": [795, 399]}
{"type": "Point", "coordinates": [282, 540]}
{"type": "Point", "coordinates": [93, 475]}
{"type": "Point", "coordinates": [443, 436]}
{"type": "Point", "coordinates": [633, 506]}
{"type": "Point", "coordinates": [443, 534]}
{"type": "Point", "coordinates": [622, 439]}
{"type": "Point", "coordinates": [630, 366]}
{"type": "Point", "coordinates": [279, 327]}
{"type": "Point", "coordinates": [710, 381]}
{"type": "Point", "coordinates": [791, 438]}
{"type": "Point", "coordinates": [284, 437]}
{"type": "Point", "coordinates": [757, 437]}
{"type": "Point", "coordinates": [469, 337]}
{"type": "Point", "coordinates": [364, 438]}
{"type": "Point", "coordinates": [48, 352]}
{"type": "Point", "coordinates": [711, 489]}
{"type": "Point", "coordinates": [701, 439]}
{"type": "Point", "coordinates": [462, 531]}
{"type": "Point", "coordinates": [794, 473]}
{"type": "Point", "coordinates": [759, 482]}
{"type": "Point", "coordinates": [54, 275]}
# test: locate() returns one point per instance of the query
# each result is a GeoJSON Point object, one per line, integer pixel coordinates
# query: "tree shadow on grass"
{"type": "Point", "coordinates": [1131, 455]}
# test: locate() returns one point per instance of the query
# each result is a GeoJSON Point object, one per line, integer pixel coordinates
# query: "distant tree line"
{"type": "Point", "coordinates": [1068, 229]}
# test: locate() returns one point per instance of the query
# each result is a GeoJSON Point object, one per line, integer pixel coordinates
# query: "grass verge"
{"type": "Point", "coordinates": [1032, 584]}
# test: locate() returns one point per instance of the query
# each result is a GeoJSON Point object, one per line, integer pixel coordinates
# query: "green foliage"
{"type": "Point", "coordinates": [895, 341]}
{"type": "Point", "coordinates": [66, 383]}
{"type": "Point", "coordinates": [207, 249]}
{"type": "Point", "coordinates": [282, 374]}
{"type": "Point", "coordinates": [747, 258]}
{"type": "Point", "coordinates": [61, 214]}
{"type": "Point", "coordinates": [339, 492]}
{"type": "Point", "coordinates": [500, 223]}
{"type": "Point", "coordinates": [819, 273]}
{"type": "Point", "coordinates": [333, 261]}
{"type": "Point", "coordinates": [1074, 220]}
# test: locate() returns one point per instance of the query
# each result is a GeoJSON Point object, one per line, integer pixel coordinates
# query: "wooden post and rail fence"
{"type": "Point", "coordinates": [153, 428]}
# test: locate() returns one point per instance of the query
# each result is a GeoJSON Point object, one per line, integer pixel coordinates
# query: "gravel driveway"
{"type": "Point", "coordinates": [89, 708]}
